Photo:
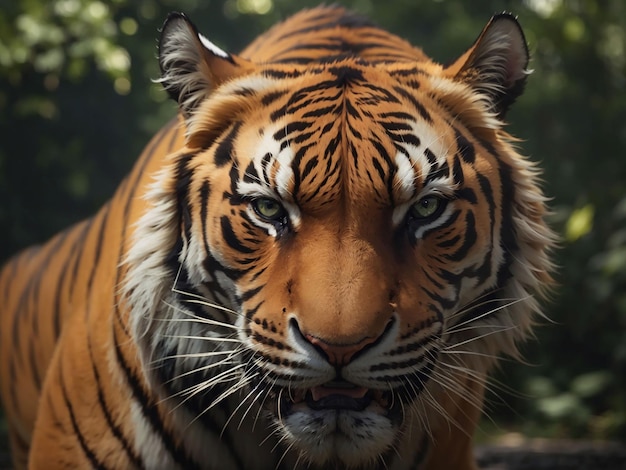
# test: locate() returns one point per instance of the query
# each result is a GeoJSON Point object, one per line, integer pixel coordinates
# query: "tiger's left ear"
{"type": "Point", "coordinates": [191, 65]}
{"type": "Point", "coordinates": [496, 64]}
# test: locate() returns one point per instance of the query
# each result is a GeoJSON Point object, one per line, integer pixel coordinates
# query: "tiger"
{"type": "Point", "coordinates": [316, 264]}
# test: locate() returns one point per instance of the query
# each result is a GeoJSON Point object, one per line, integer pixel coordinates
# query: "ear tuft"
{"type": "Point", "coordinates": [496, 64]}
{"type": "Point", "coordinates": [191, 65]}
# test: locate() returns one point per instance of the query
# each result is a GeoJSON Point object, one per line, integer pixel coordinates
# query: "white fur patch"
{"type": "Point", "coordinates": [153, 452]}
{"type": "Point", "coordinates": [212, 47]}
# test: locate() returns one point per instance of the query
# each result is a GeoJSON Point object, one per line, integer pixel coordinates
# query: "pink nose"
{"type": "Point", "coordinates": [339, 354]}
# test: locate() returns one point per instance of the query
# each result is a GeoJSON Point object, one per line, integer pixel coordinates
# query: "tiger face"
{"type": "Point", "coordinates": [341, 243]}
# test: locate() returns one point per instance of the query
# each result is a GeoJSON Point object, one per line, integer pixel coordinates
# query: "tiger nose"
{"type": "Point", "coordinates": [339, 354]}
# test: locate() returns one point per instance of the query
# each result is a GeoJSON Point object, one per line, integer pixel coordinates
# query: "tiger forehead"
{"type": "Point", "coordinates": [354, 130]}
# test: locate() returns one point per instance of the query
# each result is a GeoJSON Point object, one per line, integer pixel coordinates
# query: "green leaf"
{"type": "Point", "coordinates": [580, 223]}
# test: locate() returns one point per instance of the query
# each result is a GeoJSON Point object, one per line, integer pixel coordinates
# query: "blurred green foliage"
{"type": "Point", "coordinates": [77, 105]}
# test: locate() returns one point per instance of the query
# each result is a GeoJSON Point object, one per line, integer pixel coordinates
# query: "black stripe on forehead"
{"type": "Point", "coordinates": [465, 147]}
{"type": "Point", "coordinates": [346, 74]}
{"type": "Point", "coordinates": [313, 114]}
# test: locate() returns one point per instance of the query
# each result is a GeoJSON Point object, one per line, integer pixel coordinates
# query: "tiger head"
{"type": "Point", "coordinates": [342, 246]}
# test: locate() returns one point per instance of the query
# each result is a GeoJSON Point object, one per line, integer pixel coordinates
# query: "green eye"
{"type": "Point", "coordinates": [427, 207]}
{"type": "Point", "coordinates": [268, 208]}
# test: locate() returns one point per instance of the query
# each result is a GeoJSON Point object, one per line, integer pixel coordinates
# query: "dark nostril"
{"type": "Point", "coordinates": [294, 325]}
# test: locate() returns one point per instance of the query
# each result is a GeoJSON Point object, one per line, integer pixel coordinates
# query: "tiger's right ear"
{"type": "Point", "coordinates": [191, 65]}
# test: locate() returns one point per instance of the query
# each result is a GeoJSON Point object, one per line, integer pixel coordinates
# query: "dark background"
{"type": "Point", "coordinates": [77, 105]}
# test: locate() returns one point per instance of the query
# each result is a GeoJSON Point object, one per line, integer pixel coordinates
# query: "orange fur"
{"type": "Point", "coordinates": [105, 327]}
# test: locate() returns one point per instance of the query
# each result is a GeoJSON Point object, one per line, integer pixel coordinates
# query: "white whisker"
{"type": "Point", "coordinates": [455, 327]}
{"type": "Point", "coordinates": [490, 333]}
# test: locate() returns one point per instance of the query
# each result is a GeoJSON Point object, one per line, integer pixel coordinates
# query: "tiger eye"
{"type": "Point", "coordinates": [268, 208]}
{"type": "Point", "coordinates": [427, 207]}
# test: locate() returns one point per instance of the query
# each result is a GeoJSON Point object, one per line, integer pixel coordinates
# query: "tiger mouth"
{"type": "Point", "coordinates": [335, 395]}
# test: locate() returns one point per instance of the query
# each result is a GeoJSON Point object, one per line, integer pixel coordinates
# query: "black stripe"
{"type": "Point", "coordinates": [289, 129]}
{"type": "Point", "coordinates": [442, 301]}
{"type": "Point", "coordinates": [205, 192]}
{"type": "Point", "coordinates": [298, 176]}
{"type": "Point", "coordinates": [310, 165]}
{"type": "Point", "coordinates": [407, 72]}
{"type": "Point", "coordinates": [281, 74]}
{"type": "Point", "coordinates": [465, 147]}
{"type": "Point", "coordinates": [386, 177]}
{"type": "Point", "coordinates": [438, 171]}
{"type": "Point", "coordinates": [224, 151]}
{"type": "Point", "coordinates": [485, 187]}
{"type": "Point", "coordinates": [31, 291]}
{"type": "Point", "coordinates": [115, 428]}
{"type": "Point", "coordinates": [469, 195]}
{"type": "Point", "coordinates": [251, 175]}
{"type": "Point", "coordinates": [104, 217]}
{"type": "Point", "coordinates": [392, 126]}
{"type": "Point", "coordinates": [184, 175]}
{"type": "Point", "coordinates": [150, 411]}
{"type": "Point", "coordinates": [468, 241]}
{"type": "Point", "coordinates": [269, 98]}
{"type": "Point", "coordinates": [77, 254]}
{"type": "Point", "coordinates": [447, 223]}
{"type": "Point", "coordinates": [385, 95]}
{"type": "Point", "coordinates": [89, 453]}
{"type": "Point", "coordinates": [33, 361]}
{"type": "Point", "coordinates": [508, 238]}
{"type": "Point", "coordinates": [418, 106]}
{"type": "Point", "coordinates": [231, 238]}
{"type": "Point", "coordinates": [450, 242]}
{"type": "Point", "coordinates": [457, 171]}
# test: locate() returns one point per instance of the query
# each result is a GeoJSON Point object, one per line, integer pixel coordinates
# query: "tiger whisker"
{"type": "Point", "coordinates": [454, 329]}
{"type": "Point", "coordinates": [242, 402]}
{"type": "Point", "coordinates": [205, 303]}
{"type": "Point", "coordinates": [264, 378]}
{"type": "Point", "coordinates": [190, 392]}
{"type": "Point", "coordinates": [243, 382]}
{"type": "Point", "coordinates": [295, 465]}
{"type": "Point", "coordinates": [452, 384]}
{"type": "Point", "coordinates": [492, 385]}
{"type": "Point", "coordinates": [205, 338]}
{"type": "Point", "coordinates": [224, 376]}
{"type": "Point", "coordinates": [476, 338]}
{"type": "Point", "coordinates": [266, 393]}
{"type": "Point", "coordinates": [199, 319]}
{"type": "Point", "coordinates": [191, 355]}
{"type": "Point", "coordinates": [473, 353]}
{"type": "Point", "coordinates": [282, 457]}
{"type": "Point", "coordinates": [447, 381]}
{"type": "Point", "coordinates": [434, 403]}
{"type": "Point", "coordinates": [479, 327]}
{"type": "Point", "coordinates": [382, 461]}
{"type": "Point", "coordinates": [479, 302]}
{"type": "Point", "coordinates": [473, 400]}
{"type": "Point", "coordinates": [229, 359]}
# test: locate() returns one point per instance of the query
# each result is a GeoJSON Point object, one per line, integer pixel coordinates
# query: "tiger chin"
{"type": "Point", "coordinates": [315, 265]}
